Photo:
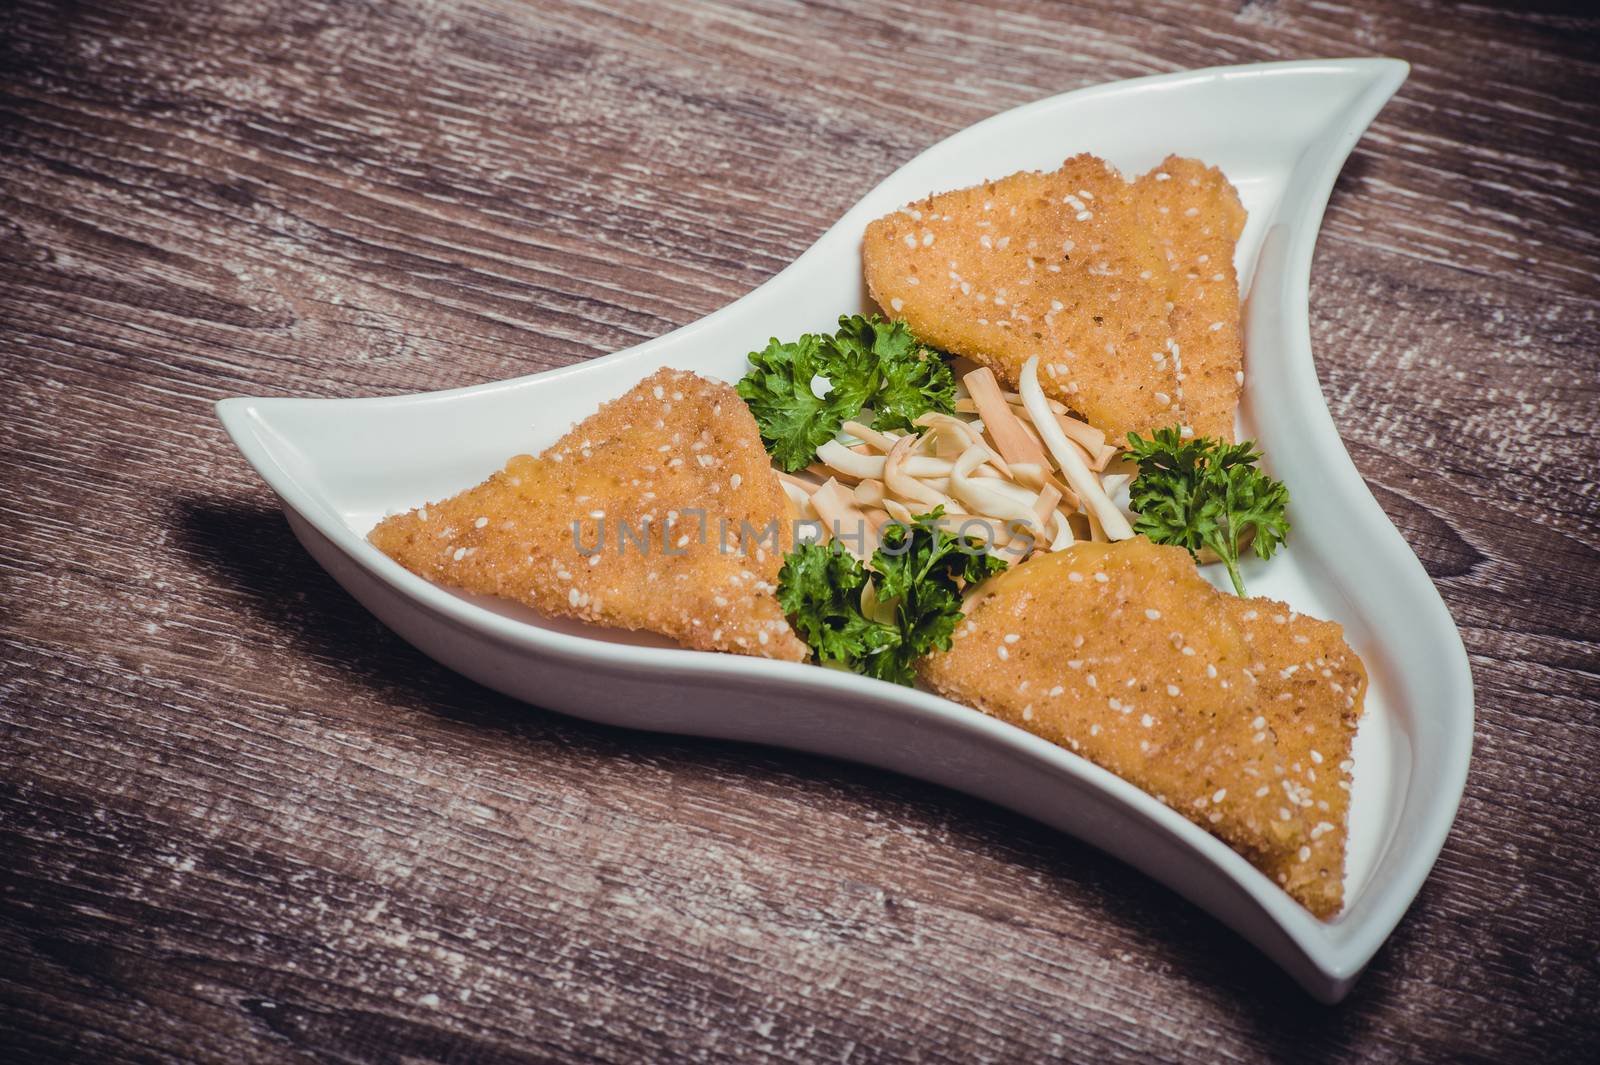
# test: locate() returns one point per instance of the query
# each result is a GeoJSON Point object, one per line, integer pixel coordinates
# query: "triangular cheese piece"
{"type": "Point", "coordinates": [659, 512]}
{"type": "Point", "coordinates": [1237, 713]}
{"type": "Point", "coordinates": [1072, 266]}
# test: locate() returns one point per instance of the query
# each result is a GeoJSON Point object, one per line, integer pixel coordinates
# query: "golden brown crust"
{"type": "Point", "coordinates": [1069, 267]}
{"type": "Point", "coordinates": [673, 448]}
{"type": "Point", "coordinates": [1196, 218]}
{"type": "Point", "coordinates": [1237, 713]}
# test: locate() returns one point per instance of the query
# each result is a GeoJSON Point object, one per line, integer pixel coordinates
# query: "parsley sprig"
{"type": "Point", "coordinates": [1206, 493]}
{"type": "Point", "coordinates": [917, 577]}
{"type": "Point", "coordinates": [868, 363]}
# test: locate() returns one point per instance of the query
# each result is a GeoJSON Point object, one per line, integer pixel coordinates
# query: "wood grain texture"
{"type": "Point", "coordinates": [241, 822]}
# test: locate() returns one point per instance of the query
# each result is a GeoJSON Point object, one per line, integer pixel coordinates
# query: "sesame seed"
{"type": "Point", "coordinates": [1172, 690]}
{"type": "Point", "coordinates": [1305, 852]}
{"type": "Point", "coordinates": [1283, 813]}
{"type": "Point", "coordinates": [1075, 577]}
{"type": "Point", "coordinates": [1003, 653]}
{"type": "Point", "coordinates": [1102, 578]}
{"type": "Point", "coordinates": [1084, 216]}
{"type": "Point", "coordinates": [911, 241]}
{"type": "Point", "coordinates": [1012, 637]}
{"type": "Point", "coordinates": [460, 553]}
{"type": "Point", "coordinates": [1147, 721]}
{"type": "Point", "coordinates": [1027, 712]}
{"type": "Point", "coordinates": [1057, 690]}
{"type": "Point", "coordinates": [1216, 327]}
{"type": "Point", "coordinates": [1191, 212]}
{"type": "Point", "coordinates": [1090, 680]}
{"type": "Point", "coordinates": [572, 596]}
{"type": "Point", "coordinates": [1153, 615]}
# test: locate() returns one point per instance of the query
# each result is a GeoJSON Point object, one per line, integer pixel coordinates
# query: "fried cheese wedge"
{"type": "Point", "coordinates": [1068, 266]}
{"type": "Point", "coordinates": [660, 512]}
{"type": "Point", "coordinates": [1237, 713]}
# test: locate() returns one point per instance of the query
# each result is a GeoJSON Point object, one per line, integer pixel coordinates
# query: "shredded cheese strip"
{"type": "Point", "coordinates": [1005, 429]}
{"type": "Point", "coordinates": [844, 521]}
{"type": "Point", "coordinates": [1096, 503]}
{"type": "Point", "coordinates": [1080, 432]}
{"type": "Point", "coordinates": [868, 435]}
{"type": "Point", "coordinates": [900, 481]}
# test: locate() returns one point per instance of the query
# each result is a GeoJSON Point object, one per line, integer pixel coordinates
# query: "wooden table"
{"type": "Point", "coordinates": [240, 821]}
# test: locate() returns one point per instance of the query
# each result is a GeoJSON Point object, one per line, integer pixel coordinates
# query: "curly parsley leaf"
{"type": "Point", "coordinates": [1205, 493]}
{"type": "Point", "coordinates": [917, 578]}
{"type": "Point", "coordinates": [819, 587]}
{"type": "Point", "coordinates": [795, 421]}
{"type": "Point", "coordinates": [867, 363]}
{"type": "Point", "coordinates": [913, 378]}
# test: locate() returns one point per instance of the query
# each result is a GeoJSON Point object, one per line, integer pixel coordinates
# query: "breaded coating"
{"type": "Point", "coordinates": [659, 512]}
{"type": "Point", "coordinates": [1237, 713]}
{"type": "Point", "coordinates": [1196, 217]}
{"type": "Point", "coordinates": [1068, 267]}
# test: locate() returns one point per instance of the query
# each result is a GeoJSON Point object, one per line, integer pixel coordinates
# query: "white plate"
{"type": "Point", "coordinates": [1281, 132]}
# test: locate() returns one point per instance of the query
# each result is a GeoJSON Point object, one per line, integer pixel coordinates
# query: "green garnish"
{"type": "Point", "coordinates": [915, 584]}
{"type": "Point", "coordinates": [1206, 493]}
{"type": "Point", "coordinates": [868, 363]}
{"type": "Point", "coordinates": [913, 378]}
